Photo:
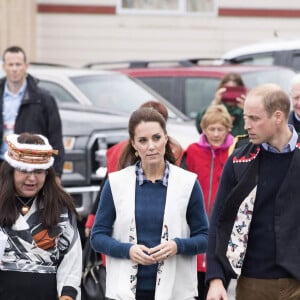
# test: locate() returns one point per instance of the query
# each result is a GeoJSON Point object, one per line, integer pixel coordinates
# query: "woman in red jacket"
{"type": "Point", "coordinates": [206, 158]}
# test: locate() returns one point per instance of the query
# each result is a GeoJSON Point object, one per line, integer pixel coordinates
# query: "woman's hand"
{"type": "Point", "coordinates": [240, 101]}
{"type": "Point", "coordinates": [164, 250]}
{"type": "Point", "coordinates": [218, 96]}
{"type": "Point", "coordinates": [141, 255]}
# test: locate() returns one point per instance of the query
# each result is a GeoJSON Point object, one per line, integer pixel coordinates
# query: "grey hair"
{"type": "Point", "coordinates": [295, 81]}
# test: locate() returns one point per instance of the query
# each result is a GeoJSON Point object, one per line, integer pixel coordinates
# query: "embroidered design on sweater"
{"type": "Point", "coordinates": [237, 245]}
{"type": "Point", "coordinates": [246, 159]}
{"type": "Point", "coordinates": [164, 238]}
{"type": "Point", "coordinates": [134, 267]}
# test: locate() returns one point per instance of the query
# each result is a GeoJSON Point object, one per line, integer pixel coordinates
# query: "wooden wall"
{"type": "Point", "coordinates": [77, 39]}
{"type": "Point", "coordinates": [18, 25]}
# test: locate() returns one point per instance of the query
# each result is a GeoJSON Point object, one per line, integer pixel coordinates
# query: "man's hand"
{"type": "Point", "coordinates": [65, 298]}
{"type": "Point", "coordinates": [216, 290]}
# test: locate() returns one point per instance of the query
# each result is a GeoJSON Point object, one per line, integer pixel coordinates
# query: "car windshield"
{"type": "Point", "coordinates": [281, 77]}
{"type": "Point", "coordinates": [119, 93]}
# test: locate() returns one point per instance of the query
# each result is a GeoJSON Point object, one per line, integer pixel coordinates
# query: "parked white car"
{"type": "Point", "coordinates": [283, 52]}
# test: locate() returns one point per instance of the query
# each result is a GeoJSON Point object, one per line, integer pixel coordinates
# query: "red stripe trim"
{"type": "Point", "coordinates": [249, 12]}
{"type": "Point", "coordinates": [76, 9]}
{"type": "Point", "coordinates": [106, 9]}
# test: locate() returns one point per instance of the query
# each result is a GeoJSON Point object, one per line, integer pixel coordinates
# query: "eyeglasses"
{"type": "Point", "coordinates": [35, 172]}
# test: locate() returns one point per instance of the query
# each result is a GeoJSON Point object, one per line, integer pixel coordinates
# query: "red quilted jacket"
{"type": "Point", "coordinates": [207, 162]}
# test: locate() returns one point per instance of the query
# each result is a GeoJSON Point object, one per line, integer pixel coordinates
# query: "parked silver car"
{"type": "Point", "coordinates": [109, 91]}
{"type": "Point", "coordinates": [95, 108]}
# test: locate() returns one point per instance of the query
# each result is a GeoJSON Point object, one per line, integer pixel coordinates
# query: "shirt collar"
{"type": "Point", "coordinates": [142, 178]}
{"type": "Point", "coordinates": [297, 117]}
{"type": "Point", "coordinates": [21, 91]}
{"type": "Point", "coordinates": [289, 147]}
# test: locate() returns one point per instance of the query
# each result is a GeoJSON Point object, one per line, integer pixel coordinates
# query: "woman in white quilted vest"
{"type": "Point", "coordinates": [151, 222]}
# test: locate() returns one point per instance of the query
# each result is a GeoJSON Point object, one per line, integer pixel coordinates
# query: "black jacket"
{"type": "Point", "coordinates": [38, 113]}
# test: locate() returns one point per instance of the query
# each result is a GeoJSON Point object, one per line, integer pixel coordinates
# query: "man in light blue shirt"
{"type": "Point", "coordinates": [26, 107]}
{"type": "Point", "coordinates": [11, 104]}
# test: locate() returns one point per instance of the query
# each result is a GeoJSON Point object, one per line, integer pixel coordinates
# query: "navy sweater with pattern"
{"type": "Point", "coordinates": [261, 250]}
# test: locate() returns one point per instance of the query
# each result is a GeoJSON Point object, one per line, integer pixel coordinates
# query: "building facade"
{"type": "Point", "coordinates": [76, 32]}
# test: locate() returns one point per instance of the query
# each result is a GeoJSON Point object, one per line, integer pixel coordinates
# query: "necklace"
{"type": "Point", "coordinates": [25, 208]}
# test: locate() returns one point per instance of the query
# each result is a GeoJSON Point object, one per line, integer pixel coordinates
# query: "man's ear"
{"type": "Point", "coordinates": [279, 116]}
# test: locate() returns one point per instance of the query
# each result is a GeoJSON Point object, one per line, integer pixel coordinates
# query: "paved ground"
{"type": "Point", "coordinates": [231, 290]}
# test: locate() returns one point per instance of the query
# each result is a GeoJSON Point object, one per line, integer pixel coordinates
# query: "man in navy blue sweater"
{"type": "Point", "coordinates": [254, 229]}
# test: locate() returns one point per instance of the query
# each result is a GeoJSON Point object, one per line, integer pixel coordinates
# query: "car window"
{"type": "Point", "coordinates": [256, 59]}
{"type": "Point", "coordinates": [163, 85]}
{"type": "Point", "coordinates": [281, 78]}
{"type": "Point", "coordinates": [296, 61]}
{"type": "Point", "coordinates": [112, 92]}
{"type": "Point", "coordinates": [199, 92]}
{"type": "Point", "coordinates": [118, 92]}
{"type": "Point", "coordinates": [59, 93]}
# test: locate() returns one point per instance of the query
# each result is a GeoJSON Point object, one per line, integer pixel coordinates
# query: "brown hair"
{"type": "Point", "coordinates": [145, 114]}
{"type": "Point", "coordinates": [28, 138]}
{"type": "Point", "coordinates": [158, 106]}
{"type": "Point", "coordinates": [14, 49]}
{"type": "Point", "coordinates": [51, 198]}
{"type": "Point", "coordinates": [236, 78]}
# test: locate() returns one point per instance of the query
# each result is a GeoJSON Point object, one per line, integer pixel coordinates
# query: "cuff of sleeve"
{"type": "Point", "coordinates": [209, 278]}
{"type": "Point", "coordinates": [179, 245]}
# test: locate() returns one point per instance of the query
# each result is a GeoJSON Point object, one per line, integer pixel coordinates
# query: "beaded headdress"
{"type": "Point", "coordinates": [29, 157]}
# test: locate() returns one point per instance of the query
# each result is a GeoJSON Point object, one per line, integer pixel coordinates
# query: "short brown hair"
{"type": "Point", "coordinates": [14, 49]}
{"type": "Point", "coordinates": [273, 98]}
